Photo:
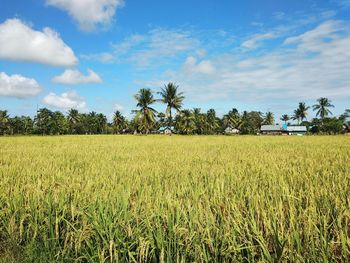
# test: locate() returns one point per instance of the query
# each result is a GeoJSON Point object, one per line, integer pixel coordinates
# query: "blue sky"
{"type": "Point", "coordinates": [251, 55]}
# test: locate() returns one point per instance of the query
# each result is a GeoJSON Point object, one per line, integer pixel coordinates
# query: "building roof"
{"type": "Point", "coordinates": [163, 128]}
{"type": "Point", "coordinates": [270, 128]}
{"type": "Point", "coordinates": [296, 128]}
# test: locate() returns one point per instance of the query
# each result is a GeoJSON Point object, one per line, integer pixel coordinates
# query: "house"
{"type": "Point", "coordinates": [346, 127]}
{"type": "Point", "coordinates": [296, 130]}
{"type": "Point", "coordinates": [231, 130]}
{"type": "Point", "coordinates": [271, 130]}
{"type": "Point", "coordinates": [166, 130]}
{"type": "Point", "coordinates": [284, 129]}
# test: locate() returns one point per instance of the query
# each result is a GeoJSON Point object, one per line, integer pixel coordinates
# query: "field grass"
{"type": "Point", "coordinates": [174, 199]}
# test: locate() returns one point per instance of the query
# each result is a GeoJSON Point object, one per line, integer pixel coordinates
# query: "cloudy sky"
{"type": "Point", "coordinates": [96, 54]}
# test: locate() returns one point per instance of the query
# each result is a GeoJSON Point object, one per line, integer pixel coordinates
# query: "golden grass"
{"type": "Point", "coordinates": [174, 199]}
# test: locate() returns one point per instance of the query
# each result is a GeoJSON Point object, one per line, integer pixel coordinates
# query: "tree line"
{"type": "Point", "coordinates": [147, 120]}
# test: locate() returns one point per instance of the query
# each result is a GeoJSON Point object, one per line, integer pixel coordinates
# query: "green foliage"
{"type": "Point", "coordinates": [331, 126]}
{"type": "Point", "coordinates": [4, 122]}
{"type": "Point", "coordinates": [174, 199]}
{"type": "Point", "coordinates": [185, 122]}
{"type": "Point", "coordinates": [120, 123]}
{"type": "Point", "coordinates": [301, 112]}
{"type": "Point", "coordinates": [285, 118]}
{"type": "Point", "coordinates": [145, 115]}
{"type": "Point", "coordinates": [251, 122]}
{"type": "Point", "coordinates": [232, 119]}
{"type": "Point", "coordinates": [322, 107]}
{"type": "Point", "coordinates": [269, 118]}
{"type": "Point", "coordinates": [172, 98]}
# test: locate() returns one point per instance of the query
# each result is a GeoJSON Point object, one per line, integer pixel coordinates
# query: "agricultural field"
{"type": "Point", "coordinates": [174, 199]}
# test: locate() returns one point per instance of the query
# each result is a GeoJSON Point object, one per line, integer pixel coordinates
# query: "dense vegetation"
{"type": "Point", "coordinates": [148, 120]}
{"type": "Point", "coordinates": [185, 199]}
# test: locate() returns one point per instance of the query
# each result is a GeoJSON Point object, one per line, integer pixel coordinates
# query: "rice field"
{"type": "Point", "coordinates": [175, 199]}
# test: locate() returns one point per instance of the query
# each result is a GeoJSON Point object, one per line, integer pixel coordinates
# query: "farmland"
{"type": "Point", "coordinates": [174, 199]}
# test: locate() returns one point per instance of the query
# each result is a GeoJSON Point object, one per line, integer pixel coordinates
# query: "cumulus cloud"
{"type": "Point", "coordinates": [67, 100]}
{"type": "Point", "coordinates": [18, 41]}
{"type": "Point", "coordinates": [18, 86]}
{"type": "Point", "coordinates": [89, 13]}
{"type": "Point", "coordinates": [71, 76]}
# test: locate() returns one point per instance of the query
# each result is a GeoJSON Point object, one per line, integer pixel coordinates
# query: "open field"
{"type": "Point", "coordinates": [163, 199]}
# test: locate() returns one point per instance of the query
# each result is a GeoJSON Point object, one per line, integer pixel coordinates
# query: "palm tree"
{"type": "Point", "coordinates": [232, 119]}
{"type": "Point", "coordinates": [145, 115]}
{"type": "Point", "coordinates": [44, 121]}
{"type": "Point", "coordinates": [4, 122]}
{"type": "Point", "coordinates": [199, 120]}
{"type": "Point", "coordinates": [269, 118]}
{"type": "Point", "coordinates": [347, 113]}
{"type": "Point", "coordinates": [172, 98]}
{"type": "Point", "coordinates": [301, 112]}
{"type": "Point", "coordinates": [285, 118]}
{"type": "Point", "coordinates": [119, 122]}
{"type": "Point", "coordinates": [322, 107]}
{"type": "Point", "coordinates": [101, 121]}
{"type": "Point", "coordinates": [73, 119]}
{"type": "Point", "coordinates": [212, 122]}
{"type": "Point", "coordinates": [186, 122]}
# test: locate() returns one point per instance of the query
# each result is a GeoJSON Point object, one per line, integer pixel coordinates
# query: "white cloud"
{"type": "Point", "coordinates": [118, 107]}
{"type": "Point", "coordinates": [204, 67]}
{"type": "Point", "coordinates": [18, 41]}
{"type": "Point", "coordinates": [101, 57]}
{"type": "Point", "coordinates": [343, 3]}
{"type": "Point", "coordinates": [67, 100]}
{"type": "Point", "coordinates": [158, 46]}
{"type": "Point", "coordinates": [312, 64]}
{"type": "Point", "coordinates": [18, 86]}
{"type": "Point", "coordinates": [70, 76]}
{"type": "Point", "coordinates": [255, 40]}
{"type": "Point", "coordinates": [313, 40]}
{"type": "Point", "coordinates": [89, 13]}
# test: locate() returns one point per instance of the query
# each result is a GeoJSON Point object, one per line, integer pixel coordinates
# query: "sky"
{"type": "Point", "coordinates": [94, 55]}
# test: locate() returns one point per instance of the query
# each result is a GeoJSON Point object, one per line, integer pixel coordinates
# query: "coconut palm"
{"type": "Point", "coordinates": [322, 107]}
{"type": "Point", "coordinates": [44, 121]}
{"type": "Point", "coordinates": [145, 115]}
{"type": "Point", "coordinates": [301, 112]}
{"type": "Point", "coordinates": [172, 98]}
{"type": "Point", "coordinates": [285, 118]}
{"type": "Point", "coordinates": [212, 122]}
{"type": "Point", "coordinates": [4, 122]}
{"type": "Point", "coordinates": [269, 118]}
{"type": "Point", "coordinates": [186, 123]}
{"type": "Point", "coordinates": [119, 122]}
{"type": "Point", "coordinates": [73, 119]}
{"type": "Point", "coordinates": [232, 119]}
{"type": "Point", "coordinates": [101, 121]}
{"type": "Point", "coordinates": [200, 120]}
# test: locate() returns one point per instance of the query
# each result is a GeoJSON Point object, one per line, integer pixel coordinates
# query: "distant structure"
{"type": "Point", "coordinates": [231, 130]}
{"type": "Point", "coordinates": [271, 130]}
{"type": "Point", "coordinates": [346, 127]}
{"type": "Point", "coordinates": [283, 129]}
{"type": "Point", "coordinates": [167, 130]}
{"type": "Point", "coordinates": [296, 130]}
